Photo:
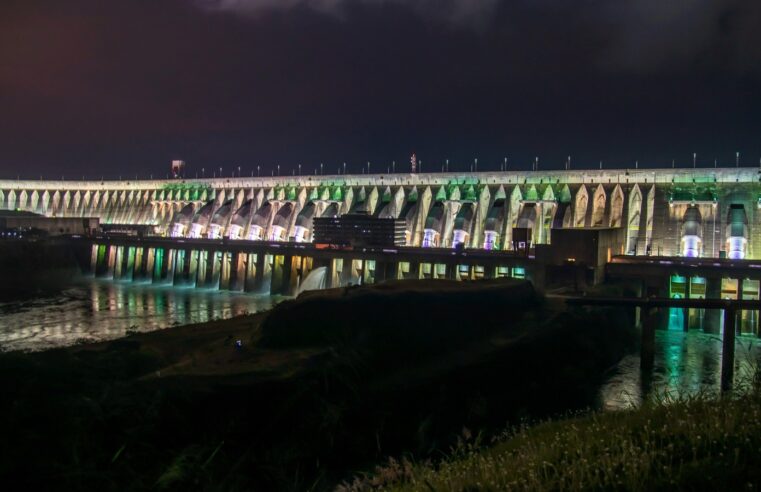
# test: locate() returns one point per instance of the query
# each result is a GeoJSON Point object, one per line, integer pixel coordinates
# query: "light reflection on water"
{"type": "Point", "coordinates": [685, 364]}
{"type": "Point", "coordinates": [105, 310]}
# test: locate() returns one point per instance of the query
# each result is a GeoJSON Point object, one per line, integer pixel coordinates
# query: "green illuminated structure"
{"type": "Point", "coordinates": [667, 212]}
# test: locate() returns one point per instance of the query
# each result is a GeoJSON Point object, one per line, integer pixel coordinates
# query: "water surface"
{"type": "Point", "coordinates": [100, 310]}
{"type": "Point", "coordinates": [685, 364]}
{"type": "Point", "coordinates": [97, 310]}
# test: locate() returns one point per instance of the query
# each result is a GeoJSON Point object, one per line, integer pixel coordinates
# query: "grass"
{"type": "Point", "coordinates": [695, 443]}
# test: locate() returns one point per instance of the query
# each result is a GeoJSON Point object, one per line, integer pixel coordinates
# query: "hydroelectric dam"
{"type": "Point", "coordinates": [692, 233]}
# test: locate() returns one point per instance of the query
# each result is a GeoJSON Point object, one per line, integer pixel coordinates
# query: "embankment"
{"type": "Point", "coordinates": [322, 386]}
{"type": "Point", "coordinates": [701, 443]}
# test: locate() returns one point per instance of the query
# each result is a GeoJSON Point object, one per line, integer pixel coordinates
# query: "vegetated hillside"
{"type": "Point", "coordinates": [298, 407]}
{"type": "Point", "coordinates": [702, 443]}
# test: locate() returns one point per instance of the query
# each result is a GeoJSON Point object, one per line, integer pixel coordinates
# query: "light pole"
{"type": "Point", "coordinates": [737, 159]}
{"type": "Point", "coordinates": [258, 170]}
{"type": "Point", "coordinates": [321, 168]}
{"type": "Point", "coordinates": [393, 166]}
{"type": "Point", "coordinates": [368, 167]}
{"type": "Point", "coordinates": [203, 172]}
{"type": "Point", "coordinates": [694, 159]}
{"type": "Point", "coordinates": [278, 169]}
{"type": "Point", "coordinates": [475, 164]}
{"type": "Point", "coordinates": [239, 171]}
{"type": "Point", "coordinates": [299, 169]}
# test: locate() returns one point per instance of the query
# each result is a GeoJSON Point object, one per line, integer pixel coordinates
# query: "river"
{"type": "Point", "coordinates": [98, 310]}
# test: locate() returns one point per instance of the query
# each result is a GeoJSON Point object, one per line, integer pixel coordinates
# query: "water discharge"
{"type": "Point", "coordinates": [314, 281]}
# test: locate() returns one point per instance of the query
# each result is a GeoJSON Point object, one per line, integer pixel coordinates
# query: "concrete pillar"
{"type": "Point", "coordinates": [278, 265]}
{"type": "Point", "coordinates": [452, 271]}
{"type": "Point", "coordinates": [686, 311]}
{"type": "Point", "coordinates": [647, 352]}
{"type": "Point", "coordinates": [203, 258]}
{"type": "Point", "coordinates": [392, 270]}
{"type": "Point", "coordinates": [363, 273]}
{"type": "Point", "coordinates": [142, 264]}
{"type": "Point", "coordinates": [739, 314]}
{"type": "Point", "coordinates": [150, 254]}
{"type": "Point", "coordinates": [182, 266]}
{"type": "Point", "coordinates": [209, 268]}
{"type": "Point", "coordinates": [658, 288]}
{"type": "Point", "coordinates": [234, 266]}
{"type": "Point", "coordinates": [712, 317]}
{"type": "Point", "coordinates": [239, 272]}
{"type": "Point", "coordinates": [250, 273]}
{"type": "Point", "coordinates": [414, 270]}
{"type": "Point", "coordinates": [728, 349]}
{"type": "Point", "coordinates": [258, 281]}
{"type": "Point", "coordinates": [133, 262]}
{"type": "Point", "coordinates": [94, 258]}
{"type": "Point", "coordinates": [169, 264]}
{"type": "Point", "coordinates": [179, 267]}
{"type": "Point", "coordinates": [380, 271]}
{"type": "Point", "coordinates": [100, 265]}
{"type": "Point", "coordinates": [121, 258]}
{"type": "Point", "coordinates": [111, 255]}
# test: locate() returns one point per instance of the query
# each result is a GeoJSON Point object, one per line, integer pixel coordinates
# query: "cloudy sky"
{"type": "Point", "coordinates": [95, 88]}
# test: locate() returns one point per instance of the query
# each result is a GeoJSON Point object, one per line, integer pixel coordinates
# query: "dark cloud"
{"type": "Point", "coordinates": [456, 12]}
{"type": "Point", "coordinates": [93, 87]}
{"type": "Point", "coordinates": [641, 34]}
{"type": "Point", "coordinates": [658, 35]}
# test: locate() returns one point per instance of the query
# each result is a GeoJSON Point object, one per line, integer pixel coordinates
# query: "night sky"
{"type": "Point", "coordinates": [94, 87]}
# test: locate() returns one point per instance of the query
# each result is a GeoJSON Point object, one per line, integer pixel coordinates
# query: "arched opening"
{"type": "Point", "coordinates": [737, 232]}
{"type": "Point", "coordinates": [692, 233]}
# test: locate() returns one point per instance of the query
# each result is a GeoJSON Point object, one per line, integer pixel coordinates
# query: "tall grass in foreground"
{"type": "Point", "coordinates": [694, 443]}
